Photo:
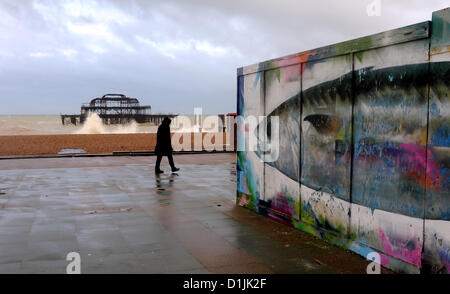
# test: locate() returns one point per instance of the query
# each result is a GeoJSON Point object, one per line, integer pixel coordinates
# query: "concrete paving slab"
{"type": "Point", "coordinates": [122, 218]}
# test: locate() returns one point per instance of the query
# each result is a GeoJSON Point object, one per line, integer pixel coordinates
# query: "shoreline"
{"type": "Point", "coordinates": [22, 145]}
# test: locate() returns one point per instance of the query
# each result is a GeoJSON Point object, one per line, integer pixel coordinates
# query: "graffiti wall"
{"type": "Point", "coordinates": [326, 140]}
{"type": "Point", "coordinates": [437, 199]}
{"type": "Point", "coordinates": [281, 190]}
{"type": "Point", "coordinates": [249, 170]}
{"type": "Point", "coordinates": [364, 148]}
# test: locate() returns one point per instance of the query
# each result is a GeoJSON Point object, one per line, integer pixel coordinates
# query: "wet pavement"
{"type": "Point", "coordinates": [121, 218]}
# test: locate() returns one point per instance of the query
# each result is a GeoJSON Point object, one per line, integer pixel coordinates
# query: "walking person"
{"type": "Point", "coordinates": [164, 146]}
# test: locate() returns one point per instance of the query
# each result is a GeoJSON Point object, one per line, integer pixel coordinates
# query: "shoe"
{"type": "Point", "coordinates": [158, 171]}
{"type": "Point", "coordinates": [175, 169]}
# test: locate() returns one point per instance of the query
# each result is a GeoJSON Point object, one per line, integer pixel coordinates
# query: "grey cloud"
{"type": "Point", "coordinates": [174, 55]}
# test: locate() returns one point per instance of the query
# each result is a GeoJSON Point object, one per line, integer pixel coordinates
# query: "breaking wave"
{"type": "Point", "coordinates": [94, 125]}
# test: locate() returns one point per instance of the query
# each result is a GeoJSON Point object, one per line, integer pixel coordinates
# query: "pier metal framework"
{"type": "Point", "coordinates": [115, 109]}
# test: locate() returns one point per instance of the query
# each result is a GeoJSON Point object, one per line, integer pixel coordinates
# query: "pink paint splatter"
{"type": "Point", "coordinates": [243, 201]}
{"type": "Point", "coordinates": [420, 158]}
{"type": "Point", "coordinates": [384, 259]}
{"type": "Point", "coordinates": [410, 255]}
{"type": "Point", "coordinates": [280, 204]}
{"type": "Point", "coordinates": [246, 185]}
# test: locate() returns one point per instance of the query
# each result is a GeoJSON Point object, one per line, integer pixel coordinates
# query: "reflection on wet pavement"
{"type": "Point", "coordinates": [122, 218]}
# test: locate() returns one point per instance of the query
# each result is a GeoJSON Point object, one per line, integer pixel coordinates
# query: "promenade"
{"type": "Point", "coordinates": [121, 218]}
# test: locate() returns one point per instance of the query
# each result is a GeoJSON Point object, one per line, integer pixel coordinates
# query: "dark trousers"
{"type": "Point", "coordinates": [169, 157]}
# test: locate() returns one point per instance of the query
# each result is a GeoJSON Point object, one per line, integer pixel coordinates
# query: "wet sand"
{"type": "Point", "coordinates": [92, 144]}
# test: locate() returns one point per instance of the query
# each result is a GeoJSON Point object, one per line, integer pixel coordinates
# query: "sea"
{"type": "Point", "coordinates": [13, 125]}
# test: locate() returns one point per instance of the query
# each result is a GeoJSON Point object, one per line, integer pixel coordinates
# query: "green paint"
{"type": "Point", "coordinates": [440, 28]}
{"type": "Point", "coordinates": [341, 134]}
{"type": "Point", "coordinates": [306, 216]}
{"type": "Point", "coordinates": [352, 46]}
{"type": "Point", "coordinates": [321, 219]}
{"type": "Point", "coordinates": [252, 205]}
{"type": "Point", "coordinates": [278, 74]}
{"type": "Point", "coordinates": [297, 209]}
{"type": "Point", "coordinates": [321, 222]}
{"type": "Point", "coordinates": [275, 71]}
{"type": "Point", "coordinates": [359, 56]}
{"type": "Point", "coordinates": [251, 198]}
{"type": "Point", "coordinates": [306, 228]}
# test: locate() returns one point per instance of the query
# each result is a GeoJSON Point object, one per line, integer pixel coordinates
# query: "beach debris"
{"type": "Point", "coordinates": [71, 151]}
{"type": "Point", "coordinates": [164, 202]}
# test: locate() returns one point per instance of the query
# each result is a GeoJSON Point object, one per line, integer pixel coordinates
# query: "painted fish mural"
{"type": "Point", "coordinates": [364, 148]}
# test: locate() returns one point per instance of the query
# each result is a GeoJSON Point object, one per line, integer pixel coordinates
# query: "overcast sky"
{"type": "Point", "coordinates": [172, 55]}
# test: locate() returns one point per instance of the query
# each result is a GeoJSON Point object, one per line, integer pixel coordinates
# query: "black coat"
{"type": "Point", "coordinates": [163, 142]}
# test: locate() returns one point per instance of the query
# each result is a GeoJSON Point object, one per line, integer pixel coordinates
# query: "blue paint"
{"type": "Point", "coordinates": [240, 99]}
{"type": "Point", "coordinates": [258, 76]}
{"type": "Point", "coordinates": [441, 136]}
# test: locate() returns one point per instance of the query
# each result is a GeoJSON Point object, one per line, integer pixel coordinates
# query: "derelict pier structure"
{"type": "Point", "coordinates": [115, 109]}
